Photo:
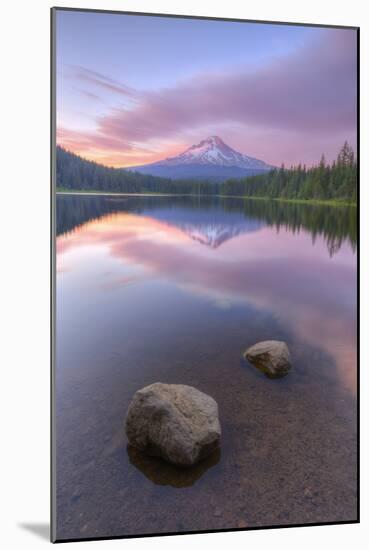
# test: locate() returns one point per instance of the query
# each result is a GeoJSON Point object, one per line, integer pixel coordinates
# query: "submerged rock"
{"type": "Point", "coordinates": [272, 357]}
{"type": "Point", "coordinates": [176, 422]}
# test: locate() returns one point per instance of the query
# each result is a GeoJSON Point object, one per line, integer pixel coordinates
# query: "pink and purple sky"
{"type": "Point", "coordinates": [136, 89]}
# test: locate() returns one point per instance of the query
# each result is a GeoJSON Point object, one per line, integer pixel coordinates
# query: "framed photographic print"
{"type": "Point", "coordinates": [204, 274]}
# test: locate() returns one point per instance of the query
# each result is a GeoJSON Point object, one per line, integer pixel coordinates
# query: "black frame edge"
{"type": "Point", "coordinates": [52, 270]}
{"type": "Point", "coordinates": [358, 268]}
{"type": "Point", "coordinates": [205, 17]}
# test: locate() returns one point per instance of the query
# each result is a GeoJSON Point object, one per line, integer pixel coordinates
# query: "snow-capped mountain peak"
{"type": "Point", "coordinates": [211, 159]}
{"type": "Point", "coordinates": [213, 151]}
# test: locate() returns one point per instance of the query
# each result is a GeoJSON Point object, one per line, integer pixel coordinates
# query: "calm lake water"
{"type": "Point", "coordinates": [173, 290]}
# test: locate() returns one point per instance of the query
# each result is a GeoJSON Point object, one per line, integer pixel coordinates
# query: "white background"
{"type": "Point", "coordinates": [24, 256]}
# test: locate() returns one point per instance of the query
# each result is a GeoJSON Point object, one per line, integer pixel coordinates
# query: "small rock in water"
{"type": "Point", "coordinates": [176, 422]}
{"type": "Point", "coordinates": [272, 357]}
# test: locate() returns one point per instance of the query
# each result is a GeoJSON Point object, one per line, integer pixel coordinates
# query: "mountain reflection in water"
{"type": "Point", "coordinates": [216, 220]}
{"type": "Point", "coordinates": [173, 290]}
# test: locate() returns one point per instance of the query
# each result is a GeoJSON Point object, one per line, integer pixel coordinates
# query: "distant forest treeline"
{"type": "Point", "coordinates": [323, 182]}
{"type": "Point", "coordinates": [74, 172]}
{"type": "Point", "coordinates": [337, 181]}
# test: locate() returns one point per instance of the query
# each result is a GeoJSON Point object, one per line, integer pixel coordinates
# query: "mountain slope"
{"type": "Point", "coordinates": [209, 159]}
{"type": "Point", "coordinates": [214, 151]}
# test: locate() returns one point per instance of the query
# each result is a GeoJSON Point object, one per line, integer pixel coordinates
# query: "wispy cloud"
{"type": "Point", "coordinates": [314, 90]}
{"type": "Point", "coordinates": [308, 98]}
{"type": "Point", "coordinates": [97, 79]}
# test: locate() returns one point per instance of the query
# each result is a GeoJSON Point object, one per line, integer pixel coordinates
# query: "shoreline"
{"type": "Point", "coordinates": [118, 193]}
{"type": "Point", "coordinates": [312, 202]}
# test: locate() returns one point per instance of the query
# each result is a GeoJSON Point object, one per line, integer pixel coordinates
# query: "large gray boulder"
{"type": "Point", "coordinates": [272, 357]}
{"type": "Point", "coordinates": [176, 422]}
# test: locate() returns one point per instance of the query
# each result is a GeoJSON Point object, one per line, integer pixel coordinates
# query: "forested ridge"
{"type": "Point", "coordinates": [74, 172]}
{"type": "Point", "coordinates": [337, 182]}
{"type": "Point", "coordinates": [322, 182]}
